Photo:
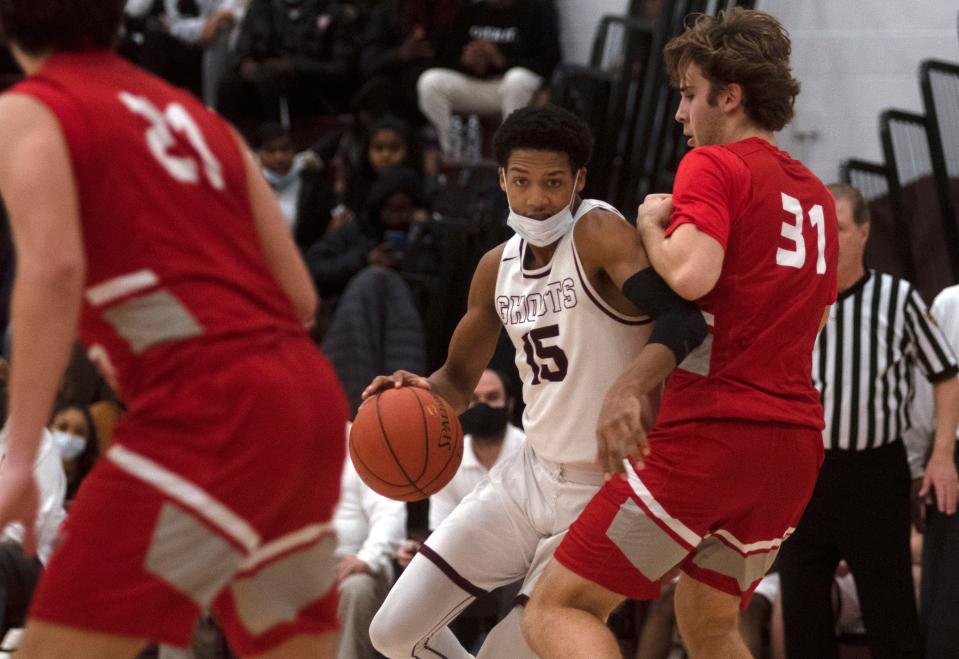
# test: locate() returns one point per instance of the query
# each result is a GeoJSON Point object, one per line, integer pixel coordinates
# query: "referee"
{"type": "Point", "coordinates": [878, 339]}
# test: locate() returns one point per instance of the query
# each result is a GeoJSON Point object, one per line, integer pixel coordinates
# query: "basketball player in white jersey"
{"type": "Point", "coordinates": [568, 288]}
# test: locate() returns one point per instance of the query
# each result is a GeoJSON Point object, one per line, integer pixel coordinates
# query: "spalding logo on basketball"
{"type": "Point", "coordinates": [406, 443]}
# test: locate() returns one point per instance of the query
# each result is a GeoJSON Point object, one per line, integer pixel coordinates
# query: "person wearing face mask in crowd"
{"type": "Point", "coordinates": [75, 436]}
{"type": "Point", "coordinates": [302, 187]}
{"type": "Point", "coordinates": [489, 437]}
{"type": "Point", "coordinates": [19, 568]}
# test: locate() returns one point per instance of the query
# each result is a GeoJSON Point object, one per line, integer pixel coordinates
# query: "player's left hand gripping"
{"type": "Point", "coordinates": [620, 434]}
{"type": "Point", "coordinates": [19, 500]}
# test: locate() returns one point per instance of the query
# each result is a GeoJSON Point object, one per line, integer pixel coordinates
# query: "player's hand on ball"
{"type": "Point", "coordinates": [620, 433]}
{"type": "Point", "coordinates": [19, 500]}
{"type": "Point", "coordinates": [397, 380]}
{"type": "Point", "coordinates": [655, 211]}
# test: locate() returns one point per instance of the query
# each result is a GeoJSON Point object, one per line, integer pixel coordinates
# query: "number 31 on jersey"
{"type": "Point", "coordinates": [796, 257]}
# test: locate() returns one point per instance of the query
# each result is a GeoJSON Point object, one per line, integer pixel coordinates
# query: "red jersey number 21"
{"type": "Point", "coordinates": [793, 231]}
{"type": "Point", "coordinates": [161, 138]}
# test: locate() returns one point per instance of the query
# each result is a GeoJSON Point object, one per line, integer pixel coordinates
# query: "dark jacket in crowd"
{"type": "Point", "coordinates": [525, 31]}
{"type": "Point", "coordinates": [320, 36]}
{"type": "Point", "coordinates": [391, 22]}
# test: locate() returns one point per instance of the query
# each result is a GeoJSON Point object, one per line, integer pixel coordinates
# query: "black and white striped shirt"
{"type": "Point", "coordinates": [865, 360]}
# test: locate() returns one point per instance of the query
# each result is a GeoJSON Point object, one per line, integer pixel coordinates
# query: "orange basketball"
{"type": "Point", "coordinates": [406, 443]}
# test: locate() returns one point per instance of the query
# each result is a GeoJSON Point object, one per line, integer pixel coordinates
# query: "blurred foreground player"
{"type": "Point", "coordinates": [752, 237]}
{"type": "Point", "coordinates": [136, 211]}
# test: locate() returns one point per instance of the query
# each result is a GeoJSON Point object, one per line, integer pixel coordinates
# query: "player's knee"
{"type": "Point", "coordinates": [390, 634]}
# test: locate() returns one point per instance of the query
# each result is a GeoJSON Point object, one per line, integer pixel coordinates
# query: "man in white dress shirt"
{"type": "Point", "coordinates": [489, 437]}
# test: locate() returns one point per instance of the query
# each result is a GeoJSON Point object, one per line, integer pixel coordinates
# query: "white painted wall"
{"type": "Point", "coordinates": [578, 20]}
{"type": "Point", "coordinates": [854, 59]}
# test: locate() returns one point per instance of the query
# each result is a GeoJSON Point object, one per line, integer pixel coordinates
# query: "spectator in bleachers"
{"type": "Point", "coordinates": [19, 573]}
{"type": "Point", "coordinates": [488, 438]}
{"type": "Point", "coordinates": [304, 190]}
{"type": "Point", "coordinates": [211, 25]}
{"type": "Point", "coordinates": [497, 56]}
{"type": "Point", "coordinates": [292, 55]}
{"type": "Point", "coordinates": [376, 326]}
{"type": "Point", "coordinates": [369, 527]}
{"type": "Point", "coordinates": [395, 204]}
{"type": "Point", "coordinates": [78, 444]}
{"type": "Point", "coordinates": [389, 143]}
{"type": "Point", "coordinates": [150, 43]}
{"type": "Point", "coordinates": [401, 42]}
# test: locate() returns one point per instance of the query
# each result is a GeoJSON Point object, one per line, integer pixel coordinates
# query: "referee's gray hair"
{"type": "Point", "coordinates": [860, 207]}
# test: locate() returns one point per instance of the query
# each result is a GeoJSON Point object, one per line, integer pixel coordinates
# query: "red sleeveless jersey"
{"type": "Point", "coordinates": [777, 223]}
{"type": "Point", "coordinates": [174, 265]}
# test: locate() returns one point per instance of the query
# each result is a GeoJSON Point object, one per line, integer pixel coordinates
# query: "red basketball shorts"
{"type": "Point", "coordinates": [220, 499]}
{"type": "Point", "coordinates": [714, 498]}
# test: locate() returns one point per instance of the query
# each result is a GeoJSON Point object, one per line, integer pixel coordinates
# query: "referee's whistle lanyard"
{"type": "Point", "coordinates": [542, 232]}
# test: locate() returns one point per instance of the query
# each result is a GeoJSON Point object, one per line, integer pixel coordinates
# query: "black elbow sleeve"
{"type": "Point", "coordinates": [680, 325]}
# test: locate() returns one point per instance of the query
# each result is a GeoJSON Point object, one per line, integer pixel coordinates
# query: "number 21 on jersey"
{"type": "Point", "coordinates": [165, 125]}
{"type": "Point", "coordinates": [793, 231]}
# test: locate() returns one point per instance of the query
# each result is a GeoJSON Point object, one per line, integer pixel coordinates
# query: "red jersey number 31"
{"type": "Point", "coordinates": [793, 231]}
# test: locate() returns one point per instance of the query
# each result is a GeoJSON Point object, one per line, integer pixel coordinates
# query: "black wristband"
{"type": "Point", "coordinates": [680, 325]}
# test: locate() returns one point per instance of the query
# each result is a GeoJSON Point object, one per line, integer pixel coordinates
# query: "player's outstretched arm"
{"type": "Point", "coordinates": [37, 184]}
{"type": "Point", "coordinates": [471, 347]}
{"type": "Point", "coordinates": [282, 257]}
{"type": "Point", "coordinates": [606, 241]}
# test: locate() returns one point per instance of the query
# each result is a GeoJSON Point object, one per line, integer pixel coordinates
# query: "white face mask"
{"type": "Point", "coordinates": [283, 181]}
{"type": "Point", "coordinates": [69, 445]}
{"type": "Point", "coordinates": [542, 232]}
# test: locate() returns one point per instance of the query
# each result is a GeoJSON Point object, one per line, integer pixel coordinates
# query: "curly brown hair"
{"type": "Point", "coordinates": [40, 26]}
{"type": "Point", "coordinates": [739, 46]}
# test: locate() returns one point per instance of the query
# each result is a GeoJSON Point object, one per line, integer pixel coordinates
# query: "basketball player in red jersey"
{"type": "Point", "coordinates": [136, 211]}
{"type": "Point", "coordinates": [751, 235]}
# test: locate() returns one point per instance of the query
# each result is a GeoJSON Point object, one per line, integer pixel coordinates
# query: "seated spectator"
{"type": "Point", "coordinates": [389, 143]}
{"type": "Point", "coordinates": [149, 43]}
{"type": "Point", "coordinates": [376, 327]}
{"type": "Point", "coordinates": [488, 438]}
{"type": "Point", "coordinates": [400, 43]}
{"type": "Point", "coordinates": [497, 56]}
{"type": "Point", "coordinates": [302, 188]}
{"type": "Point", "coordinates": [395, 205]}
{"type": "Point", "coordinates": [19, 573]}
{"type": "Point", "coordinates": [295, 53]}
{"type": "Point", "coordinates": [368, 527]}
{"type": "Point", "coordinates": [76, 439]}
{"type": "Point", "coordinates": [211, 25]}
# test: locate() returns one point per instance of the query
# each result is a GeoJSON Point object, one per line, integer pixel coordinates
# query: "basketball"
{"type": "Point", "coordinates": [406, 443]}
